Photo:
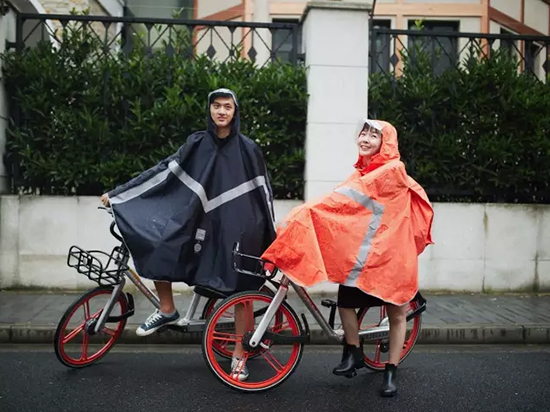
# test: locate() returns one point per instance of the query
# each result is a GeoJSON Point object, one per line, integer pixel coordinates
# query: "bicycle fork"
{"type": "Point", "coordinates": [104, 317]}
{"type": "Point", "coordinates": [270, 313]}
{"type": "Point", "coordinates": [109, 307]}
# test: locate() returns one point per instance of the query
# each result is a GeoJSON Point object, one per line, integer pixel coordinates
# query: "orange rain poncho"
{"type": "Point", "coordinates": [367, 233]}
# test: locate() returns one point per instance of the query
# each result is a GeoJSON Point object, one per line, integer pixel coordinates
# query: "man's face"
{"type": "Point", "coordinates": [222, 111]}
{"type": "Point", "coordinates": [369, 142]}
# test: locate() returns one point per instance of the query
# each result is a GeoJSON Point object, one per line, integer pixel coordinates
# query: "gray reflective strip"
{"type": "Point", "coordinates": [189, 182]}
{"type": "Point", "coordinates": [235, 193]}
{"type": "Point", "coordinates": [377, 212]}
{"type": "Point", "coordinates": [140, 189]}
{"type": "Point", "coordinates": [231, 194]}
{"type": "Point", "coordinates": [197, 188]}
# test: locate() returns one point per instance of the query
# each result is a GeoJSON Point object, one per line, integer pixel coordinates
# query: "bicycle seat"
{"type": "Point", "coordinates": [209, 293]}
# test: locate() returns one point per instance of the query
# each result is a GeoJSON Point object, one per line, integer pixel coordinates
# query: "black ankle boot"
{"type": "Point", "coordinates": [388, 384]}
{"type": "Point", "coordinates": [352, 359]}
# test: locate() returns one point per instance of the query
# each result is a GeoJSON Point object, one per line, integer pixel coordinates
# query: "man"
{"type": "Point", "coordinates": [181, 218]}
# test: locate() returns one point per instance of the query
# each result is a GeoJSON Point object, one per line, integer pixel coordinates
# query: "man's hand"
{"type": "Point", "coordinates": [105, 200]}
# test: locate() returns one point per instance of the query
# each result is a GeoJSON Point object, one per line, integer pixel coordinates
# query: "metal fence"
{"type": "Point", "coordinates": [448, 50]}
{"type": "Point", "coordinates": [219, 40]}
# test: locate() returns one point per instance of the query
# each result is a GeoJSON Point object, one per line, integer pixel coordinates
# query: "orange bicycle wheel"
{"type": "Point", "coordinates": [273, 364]}
{"type": "Point", "coordinates": [75, 343]}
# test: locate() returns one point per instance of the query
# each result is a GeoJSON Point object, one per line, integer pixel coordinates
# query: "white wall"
{"type": "Point", "coordinates": [510, 7]}
{"type": "Point", "coordinates": [477, 247]}
{"type": "Point", "coordinates": [208, 7]}
{"type": "Point", "coordinates": [537, 15]}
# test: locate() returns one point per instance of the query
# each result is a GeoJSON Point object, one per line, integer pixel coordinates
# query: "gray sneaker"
{"type": "Point", "coordinates": [239, 370]}
{"type": "Point", "coordinates": [156, 321]}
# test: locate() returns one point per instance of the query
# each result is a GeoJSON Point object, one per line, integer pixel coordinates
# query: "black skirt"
{"type": "Point", "coordinates": [354, 298]}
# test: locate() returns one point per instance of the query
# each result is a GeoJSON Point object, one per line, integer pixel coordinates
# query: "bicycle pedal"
{"type": "Point", "coordinates": [328, 303]}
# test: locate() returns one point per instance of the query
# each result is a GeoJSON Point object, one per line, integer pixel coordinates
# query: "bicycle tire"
{"type": "Point", "coordinates": [71, 310]}
{"type": "Point", "coordinates": [205, 339]}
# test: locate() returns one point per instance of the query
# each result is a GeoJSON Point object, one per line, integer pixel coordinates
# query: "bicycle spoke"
{"type": "Point", "coordinates": [86, 308]}
{"type": "Point", "coordinates": [273, 362]}
{"type": "Point", "coordinates": [227, 337]}
{"type": "Point", "coordinates": [281, 326]}
{"type": "Point", "coordinates": [224, 344]}
{"type": "Point", "coordinates": [85, 347]}
{"type": "Point", "coordinates": [377, 353]}
{"type": "Point", "coordinates": [109, 331]}
{"type": "Point", "coordinates": [71, 335]}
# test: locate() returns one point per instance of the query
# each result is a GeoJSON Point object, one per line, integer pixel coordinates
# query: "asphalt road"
{"type": "Point", "coordinates": [131, 378]}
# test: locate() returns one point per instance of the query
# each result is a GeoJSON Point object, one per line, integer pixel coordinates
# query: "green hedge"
{"type": "Point", "coordinates": [480, 133]}
{"type": "Point", "coordinates": [477, 133]}
{"type": "Point", "coordinates": [89, 121]}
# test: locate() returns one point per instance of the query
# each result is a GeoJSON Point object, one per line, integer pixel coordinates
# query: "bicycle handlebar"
{"type": "Point", "coordinates": [113, 224]}
{"type": "Point", "coordinates": [112, 229]}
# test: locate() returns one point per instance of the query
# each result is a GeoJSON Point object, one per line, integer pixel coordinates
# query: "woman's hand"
{"type": "Point", "coordinates": [105, 200]}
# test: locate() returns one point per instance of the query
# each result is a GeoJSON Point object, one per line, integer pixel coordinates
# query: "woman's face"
{"type": "Point", "coordinates": [369, 142]}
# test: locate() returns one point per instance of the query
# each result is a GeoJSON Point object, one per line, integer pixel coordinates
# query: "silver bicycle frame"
{"type": "Point", "coordinates": [109, 306]}
{"type": "Point", "coordinates": [378, 332]}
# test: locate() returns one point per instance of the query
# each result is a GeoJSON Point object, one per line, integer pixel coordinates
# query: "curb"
{"type": "Point", "coordinates": [440, 335]}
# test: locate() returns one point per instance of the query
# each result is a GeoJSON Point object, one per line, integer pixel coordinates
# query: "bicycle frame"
{"type": "Point", "coordinates": [374, 333]}
{"type": "Point", "coordinates": [187, 324]}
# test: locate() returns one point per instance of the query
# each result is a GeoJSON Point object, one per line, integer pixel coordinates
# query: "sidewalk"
{"type": "Point", "coordinates": [32, 317]}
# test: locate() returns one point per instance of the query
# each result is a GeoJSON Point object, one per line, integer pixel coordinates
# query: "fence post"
{"type": "Point", "coordinates": [336, 42]}
{"type": "Point", "coordinates": [7, 35]}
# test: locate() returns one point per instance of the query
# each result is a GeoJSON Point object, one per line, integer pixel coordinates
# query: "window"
{"type": "Point", "coordinates": [282, 40]}
{"type": "Point", "coordinates": [442, 50]}
{"type": "Point", "coordinates": [532, 57]}
{"type": "Point", "coordinates": [380, 47]}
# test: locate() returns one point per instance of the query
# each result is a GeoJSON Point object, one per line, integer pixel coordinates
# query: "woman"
{"type": "Point", "coordinates": [366, 236]}
{"type": "Point", "coordinates": [369, 143]}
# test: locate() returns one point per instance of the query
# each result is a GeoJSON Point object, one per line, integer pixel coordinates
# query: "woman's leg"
{"type": "Point", "coordinates": [352, 358]}
{"type": "Point", "coordinates": [398, 331]}
{"type": "Point", "coordinates": [351, 327]}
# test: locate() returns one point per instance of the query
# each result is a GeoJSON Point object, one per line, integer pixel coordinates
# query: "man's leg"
{"type": "Point", "coordinates": [243, 323]}
{"type": "Point", "coordinates": [164, 291]}
{"type": "Point", "coordinates": [166, 315]}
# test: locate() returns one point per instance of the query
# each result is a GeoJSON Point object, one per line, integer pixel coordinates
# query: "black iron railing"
{"type": "Point", "coordinates": [448, 50]}
{"type": "Point", "coordinates": [219, 40]}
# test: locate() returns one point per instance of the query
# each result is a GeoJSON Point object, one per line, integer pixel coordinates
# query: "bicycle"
{"type": "Point", "coordinates": [113, 307]}
{"type": "Point", "coordinates": [281, 326]}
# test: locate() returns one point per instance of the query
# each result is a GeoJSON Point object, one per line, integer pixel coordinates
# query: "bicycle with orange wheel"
{"type": "Point", "coordinates": [95, 321]}
{"type": "Point", "coordinates": [276, 339]}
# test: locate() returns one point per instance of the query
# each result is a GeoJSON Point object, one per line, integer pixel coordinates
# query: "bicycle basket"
{"type": "Point", "coordinates": [100, 267]}
{"type": "Point", "coordinates": [251, 265]}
